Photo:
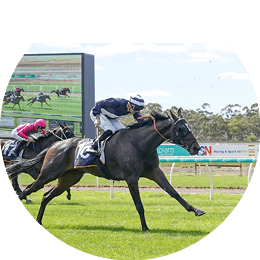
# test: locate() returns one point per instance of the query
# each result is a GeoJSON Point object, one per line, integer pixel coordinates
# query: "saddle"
{"type": "Point", "coordinates": [84, 159]}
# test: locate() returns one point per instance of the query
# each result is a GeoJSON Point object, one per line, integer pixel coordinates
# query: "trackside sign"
{"type": "Point", "coordinates": [169, 150]}
{"type": "Point", "coordinates": [225, 150]}
{"type": "Point", "coordinates": [215, 150]}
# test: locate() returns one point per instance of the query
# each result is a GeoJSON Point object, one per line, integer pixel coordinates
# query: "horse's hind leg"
{"type": "Point", "coordinates": [64, 183]}
{"type": "Point", "coordinates": [159, 177]}
{"type": "Point", "coordinates": [68, 194]}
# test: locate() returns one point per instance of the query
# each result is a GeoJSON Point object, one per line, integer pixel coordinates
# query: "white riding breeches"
{"type": "Point", "coordinates": [107, 123]}
{"type": "Point", "coordinates": [15, 135]}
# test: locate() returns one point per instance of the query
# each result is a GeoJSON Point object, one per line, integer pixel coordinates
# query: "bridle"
{"type": "Point", "coordinates": [63, 134]}
{"type": "Point", "coordinates": [176, 127]}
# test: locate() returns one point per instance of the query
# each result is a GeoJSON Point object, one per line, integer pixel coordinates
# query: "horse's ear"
{"type": "Point", "coordinates": [167, 114]}
{"type": "Point", "coordinates": [180, 113]}
{"type": "Point", "coordinates": [175, 118]}
{"type": "Point", "coordinates": [59, 124]}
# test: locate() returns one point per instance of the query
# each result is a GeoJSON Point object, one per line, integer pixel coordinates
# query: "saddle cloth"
{"type": "Point", "coordinates": [84, 159]}
{"type": "Point", "coordinates": [9, 147]}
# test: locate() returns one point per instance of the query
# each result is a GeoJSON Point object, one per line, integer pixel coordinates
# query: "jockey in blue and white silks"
{"type": "Point", "coordinates": [106, 112]}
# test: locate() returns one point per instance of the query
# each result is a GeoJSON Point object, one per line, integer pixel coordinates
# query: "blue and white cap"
{"type": "Point", "coordinates": [137, 102]}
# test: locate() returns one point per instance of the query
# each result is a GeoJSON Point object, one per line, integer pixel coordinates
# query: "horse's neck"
{"type": "Point", "coordinates": [148, 138]}
{"type": "Point", "coordinates": [40, 145]}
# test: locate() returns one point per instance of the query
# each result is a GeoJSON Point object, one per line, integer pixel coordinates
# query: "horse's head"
{"type": "Point", "coordinates": [47, 96]}
{"type": "Point", "coordinates": [64, 131]}
{"type": "Point", "coordinates": [182, 134]}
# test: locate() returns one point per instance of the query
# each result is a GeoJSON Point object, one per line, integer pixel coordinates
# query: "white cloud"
{"type": "Point", "coordinates": [192, 53]}
{"type": "Point", "coordinates": [166, 48]}
{"type": "Point", "coordinates": [139, 59]}
{"type": "Point", "coordinates": [150, 93]}
{"type": "Point", "coordinates": [233, 75]}
{"type": "Point", "coordinates": [204, 55]}
{"type": "Point", "coordinates": [63, 45]}
{"type": "Point", "coordinates": [112, 49]}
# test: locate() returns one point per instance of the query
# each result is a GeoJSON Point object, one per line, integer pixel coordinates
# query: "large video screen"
{"type": "Point", "coordinates": [55, 87]}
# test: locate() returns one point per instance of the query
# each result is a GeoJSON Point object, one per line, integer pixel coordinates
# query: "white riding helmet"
{"type": "Point", "coordinates": [137, 102]}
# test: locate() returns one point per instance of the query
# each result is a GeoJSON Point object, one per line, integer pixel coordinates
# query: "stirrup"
{"type": "Point", "coordinates": [92, 151]}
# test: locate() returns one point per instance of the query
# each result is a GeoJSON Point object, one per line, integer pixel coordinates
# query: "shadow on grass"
{"type": "Point", "coordinates": [173, 232]}
{"type": "Point", "coordinates": [53, 203]}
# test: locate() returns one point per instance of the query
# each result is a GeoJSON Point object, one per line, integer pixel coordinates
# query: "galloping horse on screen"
{"type": "Point", "coordinates": [60, 133]}
{"type": "Point", "coordinates": [62, 92]}
{"type": "Point", "coordinates": [41, 99]}
{"type": "Point", "coordinates": [130, 154]}
{"type": "Point", "coordinates": [16, 92]}
{"type": "Point", "coordinates": [15, 100]}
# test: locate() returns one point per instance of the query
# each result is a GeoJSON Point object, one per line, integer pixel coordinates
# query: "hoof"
{"type": "Point", "coordinates": [146, 229]}
{"type": "Point", "coordinates": [68, 197]}
{"type": "Point", "coordinates": [199, 212]}
{"type": "Point", "coordinates": [28, 200]}
{"type": "Point", "coordinates": [39, 222]}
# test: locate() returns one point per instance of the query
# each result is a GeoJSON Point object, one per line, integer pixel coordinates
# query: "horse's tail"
{"type": "Point", "coordinates": [24, 164]}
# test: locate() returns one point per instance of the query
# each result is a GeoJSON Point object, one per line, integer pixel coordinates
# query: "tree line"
{"type": "Point", "coordinates": [233, 123]}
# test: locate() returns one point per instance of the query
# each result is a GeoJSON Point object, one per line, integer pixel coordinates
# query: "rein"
{"type": "Point", "coordinates": [62, 133]}
{"type": "Point", "coordinates": [165, 139]}
{"type": "Point", "coordinates": [154, 125]}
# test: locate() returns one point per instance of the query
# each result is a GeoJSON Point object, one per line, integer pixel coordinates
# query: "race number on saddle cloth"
{"type": "Point", "coordinates": [84, 159]}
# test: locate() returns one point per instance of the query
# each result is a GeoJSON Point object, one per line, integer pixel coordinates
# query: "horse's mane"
{"type": "Point", "coordinates": [47, 134]}
{"type": "Point", "coordinates": [149, 121]}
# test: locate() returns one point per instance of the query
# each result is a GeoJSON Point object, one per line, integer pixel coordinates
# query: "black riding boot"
{"type": "Point", "coordinates": [96, 145]}
{"type": "Point", "coordinates": [19, 147]}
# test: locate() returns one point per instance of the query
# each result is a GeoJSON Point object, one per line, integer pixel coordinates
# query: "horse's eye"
{"type": "Point", "coordinates": [182, 128]}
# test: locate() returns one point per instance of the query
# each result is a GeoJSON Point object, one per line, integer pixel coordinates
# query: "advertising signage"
{"type": "Point", "coordinates": [55, 87]}
{"type": "Point", "coordinates": [224, 150]}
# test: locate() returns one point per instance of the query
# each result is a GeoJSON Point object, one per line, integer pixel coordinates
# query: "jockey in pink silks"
{"type": "Point", "coordinates": [22, 132]}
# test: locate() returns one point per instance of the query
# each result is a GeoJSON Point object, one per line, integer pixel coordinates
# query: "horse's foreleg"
{"type": "Point", "coordinates": [159, 177]}
{"type": "Point", "coordinates": [133, 187]}
{"type": "Point", "coordinates": [47, 104]}
{"type": "Point", "coordinates": [39, 183]}
{"type": "Point", "coordinates": [64, 183]}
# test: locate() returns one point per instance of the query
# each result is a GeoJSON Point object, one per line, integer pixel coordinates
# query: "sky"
{"type": "Point", "coordinates": [181, 75]}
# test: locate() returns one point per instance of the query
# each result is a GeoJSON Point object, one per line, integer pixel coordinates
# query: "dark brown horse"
{"type": "Point", "coordinates": [60, 133]}
{"type": "Point", "coordinates": [130, 154]}
{"type": "Point", "coordinates": [15, 100]}
{"type": "Point", "coordinates": [62, 92]}
{"type": "Point", "coordinates": [41, 99]}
